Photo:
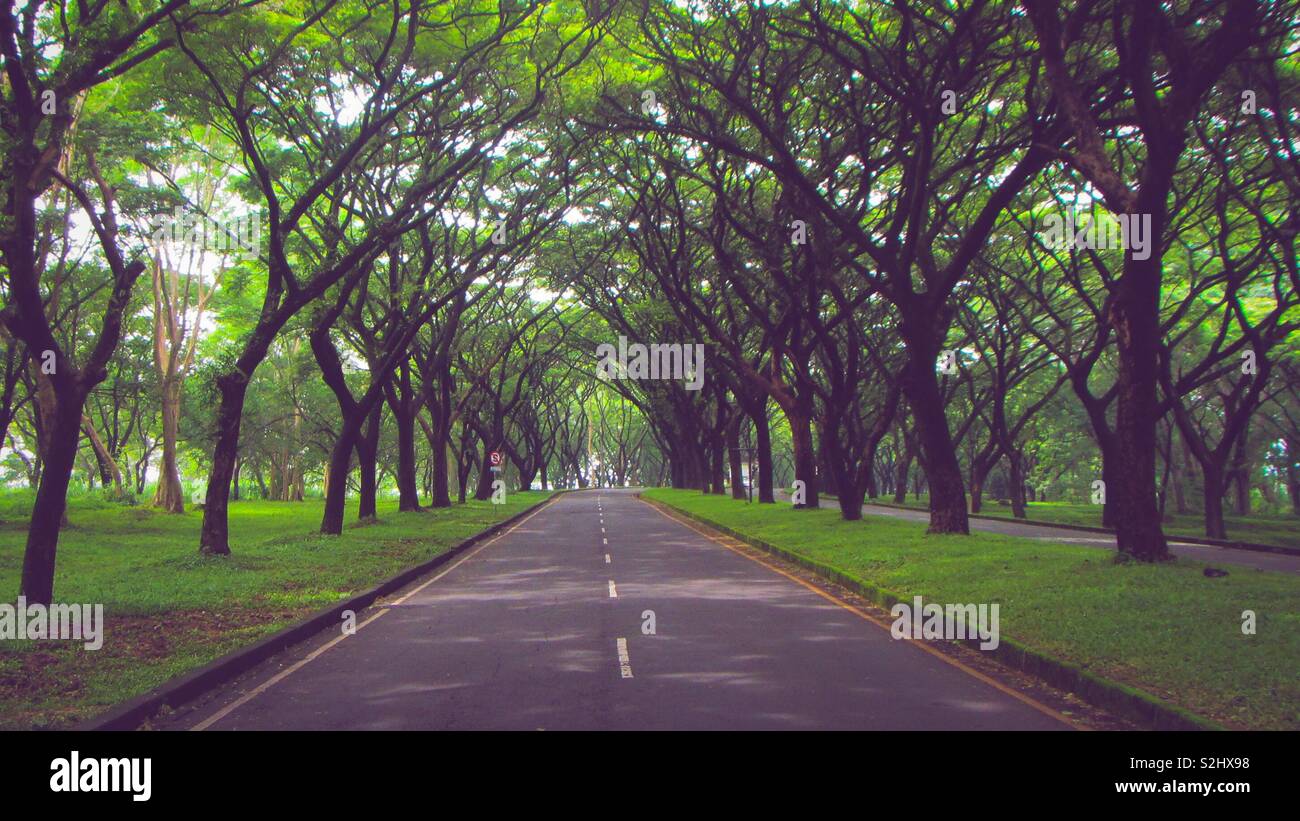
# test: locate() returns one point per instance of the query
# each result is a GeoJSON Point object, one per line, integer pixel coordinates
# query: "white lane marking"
{"type": "Point", "coordinates": [606, 558]}
{"type": "Point", "coordinates": [285, 673]}
{"type": "Point", "coordinates": [613, 591]}
{"type": "Point", "coordinates": [602, 530]}
{"type": "Point", "coordinates": [604, 541]}
{"type": "Point", "coordinates": [624, 660]}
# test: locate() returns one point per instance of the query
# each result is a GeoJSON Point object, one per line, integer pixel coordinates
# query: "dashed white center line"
{"type": "Point", "coordinates": [606, 558]}
{"type": "Point", "coordinates": [604, 541]}
{"type": "Point", "coordinates": [624, 660]}
{"type": "Point", "coordinates": [602, 530]}
{"type": "Point", "coordinates": [613, 591]}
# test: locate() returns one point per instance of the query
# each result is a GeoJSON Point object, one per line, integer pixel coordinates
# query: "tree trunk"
{"type": "Point", "coordinates": [483, 491]}
{"type": "Point", "coordinates": [402, 402]}
{"type": "Point", "coordinates": [1109, 509]}
{"type": "Point", "coordinates": [1241, 476]}
{"type": "Point", "coordinates": [340, 465]}
{"type": "Point", "coordinates": [763, 444]}
{"type": "Point", "coordinates": [169, 496]}
{"type": "Point", "coordinates": [214, 537]}
{"type": "Point", "coordinates": [109, 472]}
{"type": "Point", "coordinates": [901, 469]}
{"type": "Point", "coordinates": [1135, 315]}
{"type": "Point", "coordinates": [872, 488]}
{"type": "Point", "coordinates": [734, 459]}
{"type": "Point", "coordinates": [1214, 526]}
{"type": "Point", "coordinates": [716, 473]}
{"type": "Point", "coordinates": [805, 457]}
{"type": "Point", "coordinates": [63, 426]}
{"type": "Point", "coordinates": [942, 470]}
{"type": "Point", "coordinates": [850, 500]}
{"type": "Point", "coordinates": [1016, 478]}
{"type": "Point", "coordinates": [441, 466]}
{"type": "Point", "coordinates": [367, 463]}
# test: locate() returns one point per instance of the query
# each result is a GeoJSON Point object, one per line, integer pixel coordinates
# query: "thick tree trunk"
{"type": "Point", "coordinates": [850, 500]}
{"type": "Point", "coordinates": [735, 463]}
{"type": "Point", "coordinates": [981, 463]}
{"type": "Point", "coordinates": [441, 466]}
{"type": "Point", "coordinates": [716, 472]}
{"type": "Point", "coordinates": [527, 475]}
{"type": "Point", "coordinates": [486, 475]}
{"type": "Point", "coordinates": [63, 426]}
{"type": "Point", "coordinates": [340, 465]}
{"type": "Point", "coordinates": [942, 470]}
{"type": "Point", "coordinates": [367, 464]}
{"type": "Point", "coordinates": [1135, 315]}
{"type": "Point", "coordinates": [976, 493]}
{"type": "Point", "coordinates": [1213, 496]}
{"type": "Point", "coordinates": [1016, 477]}
{"type": "Point", "coordinates": [828, 474]}
{"type": "Point", "coordinates": [676, 470]}
{"type": "Point", "coordinates": [805, 456]}
{"type": "Point", "coordinates": [402, 402]}
{"type": "Point", "coordinates": [214, 536]}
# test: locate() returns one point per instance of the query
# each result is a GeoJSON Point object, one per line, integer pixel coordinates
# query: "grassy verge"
{"type": "Point", "coordinates": [1166, 629]}
{"type": "Point", "coordinates": [1261, 528]}
{"type": "Point", "coordinates": [169, 610]}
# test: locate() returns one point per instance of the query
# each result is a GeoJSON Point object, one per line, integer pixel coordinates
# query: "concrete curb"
{"type": "Point", "coordinates": [130, 714]}
{"type": "Point", "coordinates": [1171, 537]}
{"type": "Point", "coordinates": [1121, 699]}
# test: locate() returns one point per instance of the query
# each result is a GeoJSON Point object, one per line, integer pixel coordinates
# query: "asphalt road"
{"type": "Point", "coordinates": [1197, 552]}
{"type": "Point", "coordinates": [542, 628]}
{"type": "Point", "coordinates": [1217, 556]}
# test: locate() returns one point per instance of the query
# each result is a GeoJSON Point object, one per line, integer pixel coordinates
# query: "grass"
{"type": "Point", "coordinates": [169, 610]}
{"type": "Point", "coordinates": [1165, 629]}
{"type": "Point", "coordinates": [1262, 528]}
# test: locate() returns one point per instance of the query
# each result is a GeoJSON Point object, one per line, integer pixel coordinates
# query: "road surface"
{"type": "Point", "coordinates": [542, 628]}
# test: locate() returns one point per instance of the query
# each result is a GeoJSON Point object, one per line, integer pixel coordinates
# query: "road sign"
{"type": "Point", "coordinates": [495, 457]}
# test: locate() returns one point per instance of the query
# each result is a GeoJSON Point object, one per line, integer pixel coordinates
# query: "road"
{"type": "Point", "coordinates": [1217, 556]}
{"type": "Point", "coordinates": [542, 628]}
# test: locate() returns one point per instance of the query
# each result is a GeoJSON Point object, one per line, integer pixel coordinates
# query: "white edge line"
{"type": "Point", "coordinates": [283, 674]}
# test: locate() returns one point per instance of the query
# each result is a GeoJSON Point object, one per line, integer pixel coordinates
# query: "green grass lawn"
{"type": "Point", "coordinates": [1166, 629]}
{"type": "Point", "coordinates": [1263, 528]}
{"type": "Point", "coordinates": [168, 610]}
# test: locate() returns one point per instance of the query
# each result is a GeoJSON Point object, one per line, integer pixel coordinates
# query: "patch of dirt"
{"type": "Point", "coordinates": [42, 682]}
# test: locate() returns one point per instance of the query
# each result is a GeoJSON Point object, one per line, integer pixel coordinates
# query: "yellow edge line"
{"type": "Point", "coordinates": [315, 654]}
{"type": "Point", "coordinates": [1019, 696]}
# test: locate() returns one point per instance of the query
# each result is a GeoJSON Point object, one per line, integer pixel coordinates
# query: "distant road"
{"type": "Point", "coordinates": [541, 628]}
